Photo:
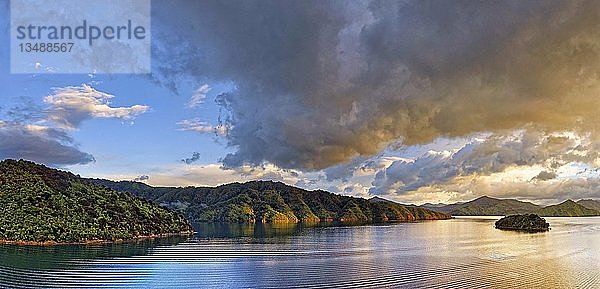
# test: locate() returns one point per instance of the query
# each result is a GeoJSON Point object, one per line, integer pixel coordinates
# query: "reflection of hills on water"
{"type": "Point", "coordinates": [457, 253]}
{"type": "Point", "coordinates": [67, 266]}
{"type": "Point", "coordinates": [44, 257]}
{"type": "Point", "coordinates": [48, 256]}
{"type": "Point", "coordinates": [258, 230]}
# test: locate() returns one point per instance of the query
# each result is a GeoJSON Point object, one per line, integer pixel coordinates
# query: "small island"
{"type": "Point", "coordinates": [527, 222]}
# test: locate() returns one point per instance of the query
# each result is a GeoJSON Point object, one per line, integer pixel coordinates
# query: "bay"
{"type": "Point", "coordinates": [465, 252]}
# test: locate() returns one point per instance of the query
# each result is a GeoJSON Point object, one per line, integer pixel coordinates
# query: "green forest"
{"type": "Point", "coordinates": [39, 204]}
{"type": "Point", "coordinates": [270, 202]}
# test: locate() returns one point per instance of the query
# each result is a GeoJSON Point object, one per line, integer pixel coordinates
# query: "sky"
{"type": "Point", "coordinates": [414, 101]}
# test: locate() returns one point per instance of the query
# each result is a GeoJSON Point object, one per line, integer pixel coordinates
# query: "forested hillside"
{"type": "Point", "coordinates": [39, 204]}
{"type": "Point", "coordinates": [265, 201]}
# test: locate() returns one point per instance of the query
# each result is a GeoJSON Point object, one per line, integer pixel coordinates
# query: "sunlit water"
{"type": "Point", "coordinates": [457, 253]}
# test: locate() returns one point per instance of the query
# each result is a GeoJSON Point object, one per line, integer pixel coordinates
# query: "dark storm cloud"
{"type": "Point", "coordinates": [39, 144]}
{"type": "Point", "coordinates": [319, 83]}
{"type": "Point", "coordinates": [22, 138]}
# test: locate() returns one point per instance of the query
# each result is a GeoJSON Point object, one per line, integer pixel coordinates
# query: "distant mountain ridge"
{"type": "Point", "coordinates": [266, 201]}
{"type": "Point", "coordinates": [486, 206]}
{"type": "Point", "coordinates": [567, 208]}
{"type": "Point", "coordinates": [590, 204]}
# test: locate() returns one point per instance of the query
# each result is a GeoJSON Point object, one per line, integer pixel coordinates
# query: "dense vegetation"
{"type": "Point", "coordinates": [264, 201]}
{"type": "Point", "coordinates": [486, 206]}
{"type": "Point", "coordinates": [527, 222]}
{"type": "Point", "coordinates": [39, 204]}
{"type": "Point", "coordinates": [567, 208]}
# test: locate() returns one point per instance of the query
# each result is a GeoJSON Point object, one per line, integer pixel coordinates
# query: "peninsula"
{"type": "Point", "coordinates": [40, 205]}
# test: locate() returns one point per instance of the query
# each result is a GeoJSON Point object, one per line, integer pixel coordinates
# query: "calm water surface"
{"type": "Point", "coordinates": [459, 253]}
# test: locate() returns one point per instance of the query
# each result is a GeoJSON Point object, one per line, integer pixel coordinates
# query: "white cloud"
{"type": "Point", "coordinates": [202, 127]}
{"type": "Point", "coordinates": [198, 96]}
{"type": "Point", "coordinates": [516, 151]}
{"type": "Point", "coordinates": [210, 175]}
{"type": "Point", "coordinates": [69, 106]}
{"type": "Point", "coordinates": [41, 134]}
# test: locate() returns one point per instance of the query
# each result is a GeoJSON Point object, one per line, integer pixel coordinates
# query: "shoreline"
{"type": "Point", "coordinates": [524, 229]}
{"type": "Point", "coordinates": [328, 221]}
{"type": "Point", "coordinates": [95, 242]}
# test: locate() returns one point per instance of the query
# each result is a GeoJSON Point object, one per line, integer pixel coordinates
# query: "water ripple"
{"type": "Point", "coordinates": [449, 254]}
